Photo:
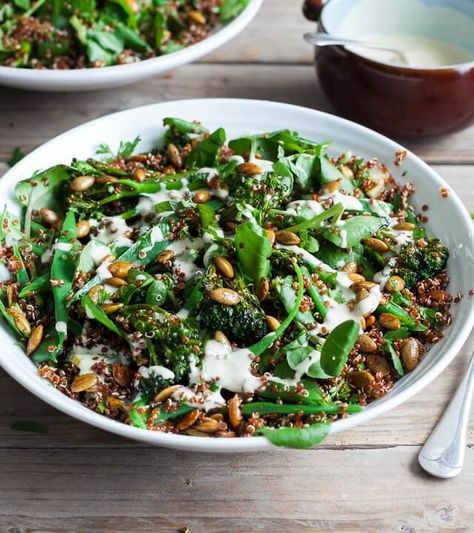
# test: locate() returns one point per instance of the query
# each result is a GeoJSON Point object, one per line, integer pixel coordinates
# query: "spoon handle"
{"type": "Point", "coordinates": [443, 453]}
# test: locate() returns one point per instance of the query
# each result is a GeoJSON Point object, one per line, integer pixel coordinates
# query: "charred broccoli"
{"type": "Point", "coordinates": [172, 341]}
{"type": "Point", "coordinates": [420, 260]}
{"type": "Point", "coordinates": [150, 385]}
{"type": "Point", "coordinates": [243, 323]}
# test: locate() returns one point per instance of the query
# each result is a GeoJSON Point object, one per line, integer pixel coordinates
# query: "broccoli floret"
{"type": "Point", "coordinates": [151, 385]}
{"type": "Point", "coordinates": [243, 323]}
{"type": "Point", "coordinates": [172, 341]}
{"type": "Point", "coordinates": [420, 260]}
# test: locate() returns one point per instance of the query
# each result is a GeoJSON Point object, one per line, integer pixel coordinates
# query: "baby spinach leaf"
{"type": "Point", "coordinates": [10, 225]}
{"type": "Point", "coordinates": [337, 346]}
{"type": "Point", "coordinates": [288, 298]}
{"type": "Point", "coordinates": [327, 172]}
{"type": "Point", "coordinates": [253, 249]}
{"type": "Point", "coordinates": [42, 190]}
{"type": "Point", "coordinates": [229, 9]}
{"type": "Point", "coordinates": [206, 153]}
{"type": "Point", "coordinates": [303, 438]}
{"type": "Point", "coordinates": [353, 230]}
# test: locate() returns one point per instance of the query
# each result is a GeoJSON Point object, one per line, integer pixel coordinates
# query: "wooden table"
{"type": "Point", "coordinates": [77, 478]}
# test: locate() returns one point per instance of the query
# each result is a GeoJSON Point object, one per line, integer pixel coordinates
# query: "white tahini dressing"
{"type": "Point", "coordinates": [229, 368]}
{"type": "Point", "coordinates": [114, 231]}
{"type": "Point", "coordinates": [4, 273]}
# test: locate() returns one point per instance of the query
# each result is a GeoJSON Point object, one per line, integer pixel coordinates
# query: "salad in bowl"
{"type": "Point", "coordinates": [223, 288]}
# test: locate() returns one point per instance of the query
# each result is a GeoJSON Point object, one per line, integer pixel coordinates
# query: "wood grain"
{"type": "Point", "coordinates": [162, 490]}
{"type": "Point", "coordinates": [29, 119]}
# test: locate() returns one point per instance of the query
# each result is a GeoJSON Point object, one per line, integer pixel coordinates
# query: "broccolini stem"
{"type": "Point", "coordinates": [267, 408]}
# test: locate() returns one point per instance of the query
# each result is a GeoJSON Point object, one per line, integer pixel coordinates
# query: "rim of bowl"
{"type": "Point", "coordinates": [35, 384]}
{"type": "Point", "coordinates": [197, 49]}
{"type": "Point", "coordinates": [466, 66]}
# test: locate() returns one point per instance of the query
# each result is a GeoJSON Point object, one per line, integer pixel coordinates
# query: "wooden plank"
{"type": "Point", "coordinates": [409, 424]}
{"type": "Point", "coordinates": [159, 490]}
{"type": "Point", "coordinates": [29, 119]}
{"type": "Point", "coordinates": [274, 36]}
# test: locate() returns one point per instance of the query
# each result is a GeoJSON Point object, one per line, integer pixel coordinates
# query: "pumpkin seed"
{"type": "Point", "coordinates": [333, 186]}
{"type": "Point", "coordinates": [165, 256]}
{"type": "Point", "coordinates": [235, 414]}
{"type": "Point", "coordinates": [122, 374]}
{"type": "Point", "coordinates": [120, 269]}
{"type": "Point", "coordinates": [166, 393]}
{"type": "Point", "coordinates": [377, 364]}
{"type": "Point", "coordinates": [19, 317]}
{"type": "Point", "coordinates": [225, 266]}
{"type": "Point", "coordinates": [94, 292]}
{"type": "Point", "coordinates": [201, 197]}
{"type": "Point", "coordinates": [82, 183]}
{"type": "Point", "coordinates": [389, 321]}
{"type": "Point", "coordinates": [174, 155]}
{"type": "Point", "coordinates": [116, 282]}
{"type": "Point", "coordinates": [83, 228]}
{"type": "Point", "coordinates": [410, 353]}
{"type": "Point", "coordinates": [249, 169]}
{"type": "Point", "coordinates": [367, 344]}
{"type": "Point", "coordinates": [287, 237]}
{"type": "Point", "coordinates": [83, 382]}
{"type": "Point", "coordinates": [225, 296]}
{"type": "Point", "coordinates": [48, 216]}
{"type": "Point", "coordinates": [263, 289]}
{"type": "Point", "coordinates": [197, 17]}
{"type": "Point", "coordinates": [221, 337]}
{"type": "Point", "coordinates": [356, 278]}
{"type": "Point", "coordinates": [34, 339]}
{"type": "Point", "coordinates": [188, 420]}
{"type": "Point", "coordinates": [350, 267]}
{"type": "Point", "coordinates": [208, 425]}
{"type": "Point", "coordinates": [376, 244]}
{"type": "Point", "coordinates": [362, 380]}
{"type": "Point", "coordinates": [271, 235]}
{"type": "Point", "coordinates": [395, 284]}
{"type": "Point", "coordinates": [139, 174]}
{"type": "Point", "coordinates": [272, 322]}
{"type": "Point", "coordinates": [109, 309]}
{"type": "Point", "coordinates": [404, 226]}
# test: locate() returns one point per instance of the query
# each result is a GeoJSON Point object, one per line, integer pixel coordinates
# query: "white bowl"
{"type": "Point", "coordinates": [449, 221]}
{"type": "Point", "coordinates": [116, 75]}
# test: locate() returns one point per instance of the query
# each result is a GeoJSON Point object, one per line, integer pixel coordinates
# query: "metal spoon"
{"type": "Point", "coordinates": [324, 39]}
{"type": "Point", "coordinates": [443, 454]}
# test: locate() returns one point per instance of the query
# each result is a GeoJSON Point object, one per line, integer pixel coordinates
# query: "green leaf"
{"type": "Point", "coordinates": [297, 437]}
{"type": "Point", "coordinates": [397, 364]}
{"type": "Point", "coordinates": [314, 223]}
{"type": "Point", "coordinates": [94, 311]}
{"type": "Point", "coordinates": [327, 172]}
{"type": "Point", "coordinates": [262, 345]}
{"type": "Point", "coordinates": [63, 268]}
{"type": "Point", "coordinates": [253, 248]}
{"type": "Point", "coordinates": [42, 190]}
{"type": "Point", "coordinates": [353, 230]}
{"type": "Point", "coordinates": [39, 285]}
{"type": "Point", "coordinates": [142, 252]}
{"type": "Point", "coordinates": [206, 153]}
{"type": "Point", "coordinates": [337, 346]}
{"type": "Point", "coordinates": [230, 9]}
{"type": "Point", "coordinates": [288, 298]}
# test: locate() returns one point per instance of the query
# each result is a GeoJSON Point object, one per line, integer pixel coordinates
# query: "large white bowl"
{"type": "Point", "coordinates": [116, 75]}
{"type": "Point", "coordinates": [449, 221]}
